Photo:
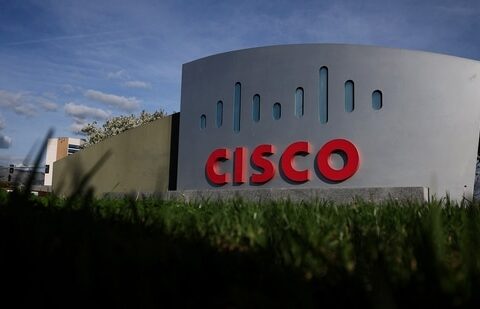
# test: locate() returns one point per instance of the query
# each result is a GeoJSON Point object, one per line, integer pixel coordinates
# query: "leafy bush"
{"type": "Point", "coordinates": [116, 125]}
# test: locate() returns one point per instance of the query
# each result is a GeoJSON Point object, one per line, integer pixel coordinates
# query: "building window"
{"type": "Point", "coordinates": [377, 100]}
{"type": "Point", "coordinates": [219, 114]}
{"type": "Point", "coordinates": [203, 121]}
{"type": "Point", "coordinates": [323, 95]}
{"type": "Point", "coordinates": [349, 96]}
{"type": "Point", "coordinates": [299, 105]}
{"type": "Point", "coordinates": [73, 146]}
{"type": "Point", "coordinates": [237, 101]}
{"type": "Point", "coordinates": [47, 169]}
{"type": "Point", "coordinates": [277, 111]}
{"type": "Point", "coordinates": [256, 108]}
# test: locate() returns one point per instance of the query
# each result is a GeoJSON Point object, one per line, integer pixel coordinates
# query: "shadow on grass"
{"type": "Point", "coordinates": [58, 256]}
{"type": "Point", "coordinates": [65, 256]}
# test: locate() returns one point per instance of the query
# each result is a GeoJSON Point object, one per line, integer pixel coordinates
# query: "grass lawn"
{"type": "Point", "coordinates": [150, 253]}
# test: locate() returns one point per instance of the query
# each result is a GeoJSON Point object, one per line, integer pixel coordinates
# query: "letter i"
{"type": "Point", "coordinates": [239, 165]}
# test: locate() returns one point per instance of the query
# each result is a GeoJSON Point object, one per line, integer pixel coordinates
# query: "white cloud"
{"type": "Point", "coordinates": [124, 103]}
{"type": "Point", "coordinates": [137, 84]}
{"type": "Point", "coordinates": [25, 110]}
{"type": "Point", "coordinates": [67, 88]}
{"type": "Point", "coordinates": [5, 141]}
{"type": "Point", "coordinates": [77, 126]}
{"type": "Point", "coordinates": [25, 104]}
{"type": "Point", "coordinates": [82, 112]}
{"type": "Point", "coordinates": [18, 102]}
{"type": "Point", "coordinates": [117, 75]}
{"type": "Point", "coordinates": [50, 95]}
{"type": "Point", "coordinates": [49, 106]}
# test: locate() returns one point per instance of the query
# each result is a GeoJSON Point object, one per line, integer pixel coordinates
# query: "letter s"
{"type": "Point", "coordinates": [261, 163]}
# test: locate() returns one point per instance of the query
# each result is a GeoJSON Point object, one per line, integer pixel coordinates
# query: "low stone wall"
{"type": "Point", "coordinates": [339, 195]}
{"type": "Point", "coordinates": [136, 160]}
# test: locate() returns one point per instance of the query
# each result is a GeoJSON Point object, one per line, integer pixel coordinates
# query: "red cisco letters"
{"type": "Point", "coordinates": [266, 168]}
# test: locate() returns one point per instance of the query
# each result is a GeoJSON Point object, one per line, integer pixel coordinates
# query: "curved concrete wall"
{"type": "Point", "coordinates": [426, 133]}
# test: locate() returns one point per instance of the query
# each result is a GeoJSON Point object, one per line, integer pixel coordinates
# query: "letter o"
{"type": "Point", "coordinates": [352, 162]}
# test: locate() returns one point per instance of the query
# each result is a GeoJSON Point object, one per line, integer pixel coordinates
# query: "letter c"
{"type": "Point", "coordinates": [211, 169]}
{"type": "Point", "coordinates": [287, 161]}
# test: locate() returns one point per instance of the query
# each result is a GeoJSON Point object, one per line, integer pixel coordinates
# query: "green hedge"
{"type": "Point", "coordinates": [149, 252]}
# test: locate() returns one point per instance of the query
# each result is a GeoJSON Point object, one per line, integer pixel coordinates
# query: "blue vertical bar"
{"type": "Point", "coordinates": [299, 106]}
{"type": "Point", "coordinates": [349, 96]}
{"type": "Point", "coordinates": [219, 114]}
{"type": "Point", "coordinates": [237, 102]}
{"type": "Point", "coordinates": [377, 100]}
{"type": "Point", "coordinates": [323, 95]}
{"type": "Point", "coordinates": [277, 111]}
{"type": "Point", "coordinates": [256, 108]}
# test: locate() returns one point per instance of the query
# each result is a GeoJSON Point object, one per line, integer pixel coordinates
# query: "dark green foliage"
{"type": "Point", "coordinates": [235, 254]}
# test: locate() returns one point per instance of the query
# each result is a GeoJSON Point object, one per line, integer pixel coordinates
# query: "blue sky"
{"type": "Point", "coordinates": [66, 63]}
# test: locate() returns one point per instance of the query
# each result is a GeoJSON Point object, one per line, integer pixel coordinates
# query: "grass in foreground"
{"type": "Point", "coordinates": [237, 254]}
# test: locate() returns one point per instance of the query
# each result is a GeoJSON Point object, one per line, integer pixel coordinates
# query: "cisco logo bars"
{"type": "Point", "coordinates": [329, 116]}
{"type": "Point", "coordinates": [377, 103]}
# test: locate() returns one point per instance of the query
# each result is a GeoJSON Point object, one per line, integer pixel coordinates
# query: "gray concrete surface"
{"type": "Point", "coordinates": [340, 195]}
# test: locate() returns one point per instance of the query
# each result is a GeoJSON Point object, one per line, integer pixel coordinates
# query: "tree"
{"type": "Point", "coordinates": [116, 125]}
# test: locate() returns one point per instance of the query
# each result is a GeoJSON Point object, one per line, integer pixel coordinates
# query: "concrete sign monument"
{"type": "Point", "coordinates": [329, 116]}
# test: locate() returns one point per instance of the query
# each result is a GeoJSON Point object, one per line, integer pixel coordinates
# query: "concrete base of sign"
{"type": "Point", "coordinates": [339, 195]}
